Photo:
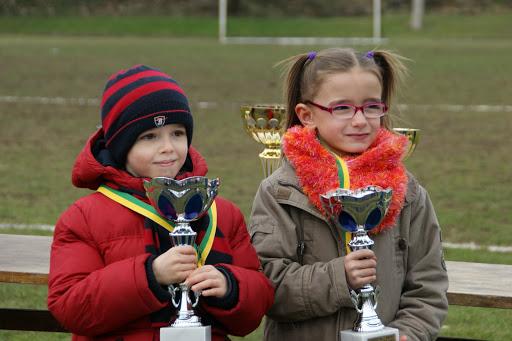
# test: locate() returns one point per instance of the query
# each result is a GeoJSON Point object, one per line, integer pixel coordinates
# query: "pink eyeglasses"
{"type": "Point", "coordinates": [347, 111]}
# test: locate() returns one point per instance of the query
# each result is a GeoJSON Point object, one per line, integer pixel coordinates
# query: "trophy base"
{"type": "Point", "coordinates": [386, 334]}
{"type": "Point", "coordinates": [203, 333]}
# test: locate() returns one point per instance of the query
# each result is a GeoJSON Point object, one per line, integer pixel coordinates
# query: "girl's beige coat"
{"type": "Point", "coordinates": [312, 300]}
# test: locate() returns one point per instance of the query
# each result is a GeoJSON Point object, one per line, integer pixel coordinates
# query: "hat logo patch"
{"type": "Point", "coordinates": [159, 121]}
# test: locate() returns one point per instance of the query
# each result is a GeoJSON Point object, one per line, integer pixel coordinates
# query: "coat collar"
{"type": "Point", "coordinates": [287, 190]}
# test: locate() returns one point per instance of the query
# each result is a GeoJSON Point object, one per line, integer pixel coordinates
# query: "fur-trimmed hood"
{"type": "Point", "coordinates": [91, 170]}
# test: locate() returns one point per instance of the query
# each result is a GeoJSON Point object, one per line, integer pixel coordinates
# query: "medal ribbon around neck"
{"type": "Point", "coordinates": [148, 211]}
{"type": "Point", "coordinates": [344, 178]}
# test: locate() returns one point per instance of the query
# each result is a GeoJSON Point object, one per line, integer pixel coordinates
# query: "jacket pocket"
{"type": "Point", "coordinates": [261, 228]}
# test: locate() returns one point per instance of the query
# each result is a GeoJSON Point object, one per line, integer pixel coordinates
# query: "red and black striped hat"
{"type": "Point", "coordinates": [138, 99]}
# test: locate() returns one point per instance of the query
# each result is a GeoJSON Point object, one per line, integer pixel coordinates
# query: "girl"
{"type": "Point", "coordinates": [337, 102]}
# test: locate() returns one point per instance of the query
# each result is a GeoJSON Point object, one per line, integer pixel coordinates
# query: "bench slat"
{"type": "Point", "coordinates": [479, 284]}
{"type": "Point", "coordinates": [29, 320]}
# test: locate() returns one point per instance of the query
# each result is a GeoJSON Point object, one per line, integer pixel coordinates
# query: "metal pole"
{"type": "Point", "coordinates": [223, 13]}
{"type": "Point", "coordinates": [376, 19]}
{"type": "Point", "coordinates": [417, 11]}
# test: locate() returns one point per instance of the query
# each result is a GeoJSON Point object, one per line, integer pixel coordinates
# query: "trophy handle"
{"type": "Point", "coordinates": [173, 290]}
{"type": "Point", "coordinates": [196, 299]}
{"type": "Point", "coordinates": [413, 135]}
{"type": "Point", "coordinates": [375, 293]}
{"type": "Point", "coordinates": [354, 297]}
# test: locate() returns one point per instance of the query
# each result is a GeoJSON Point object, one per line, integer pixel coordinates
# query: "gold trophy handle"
{"type": "Point", "coordinates": [413, 135]}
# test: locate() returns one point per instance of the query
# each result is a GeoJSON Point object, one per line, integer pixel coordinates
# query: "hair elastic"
{"type": "Point", "coordinates": [369, 54]}
{"type": "Point", "coordinates": [312, 55]}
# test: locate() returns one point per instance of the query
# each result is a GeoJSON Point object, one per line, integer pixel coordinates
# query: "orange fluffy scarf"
{"type": "Point", "coordinates": [381, 165]}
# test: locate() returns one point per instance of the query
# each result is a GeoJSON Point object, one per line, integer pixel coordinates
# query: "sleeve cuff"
{"type": "Point", "coordinates": [231, 298]}
{"type": "Point", "coordinates": [340, 282]}
{"type": "Point", "coordinates": [158, 290]}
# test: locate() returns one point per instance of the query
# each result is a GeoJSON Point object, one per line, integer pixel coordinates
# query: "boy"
{"type": "Point", "coordinates": [110, 266]}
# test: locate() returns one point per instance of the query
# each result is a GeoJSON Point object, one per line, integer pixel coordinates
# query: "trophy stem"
{"type": "Point", "coordinates": [184, 235]}
{"type": "Point", "coordinates": [186, 317]}
{"type": "Point", "coordinates": [360, 240]}
{"type": "Point", "coordinates": [365, 299]}
{"type": "Point", "coordinates": [367, 319]}
{"type": "Point", "coordinates": [270, 160]}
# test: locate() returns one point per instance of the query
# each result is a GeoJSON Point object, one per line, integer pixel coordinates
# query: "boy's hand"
{"type": "Point", "coordinates": [360, 268]}
{"type": "Point", "coordinates": [175, 264]}
{"type": "Point", "coordinates": [208, 281]}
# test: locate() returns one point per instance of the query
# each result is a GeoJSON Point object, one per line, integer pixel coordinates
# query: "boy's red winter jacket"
{"type": "Point", "coordinates": [98, 283]}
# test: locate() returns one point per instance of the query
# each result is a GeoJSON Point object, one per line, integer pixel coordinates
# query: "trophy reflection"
{"type": "Point", "coordinates": [183, 201]}
{"type": "Point", "coordinates": [358, 212]}
{"type": "Point", "coordinates": [265, 123]}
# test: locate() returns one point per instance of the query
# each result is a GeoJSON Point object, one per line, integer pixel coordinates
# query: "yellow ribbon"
{"type": "Point", "coordinates": [344, 183]}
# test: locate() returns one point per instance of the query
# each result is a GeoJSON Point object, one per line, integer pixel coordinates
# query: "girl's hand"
{"type": "Point", "coordinates": [175, 265]}
{"type": "Point", "coordinates": [360, 268]}
{"type": "Point", "coordinates": [208, 281]}
{"type": "Point", "coordinates": [403, 338]}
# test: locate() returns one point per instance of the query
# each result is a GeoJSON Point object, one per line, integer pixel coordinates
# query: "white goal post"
{"type": "Point", "coordinates": [375, 40]}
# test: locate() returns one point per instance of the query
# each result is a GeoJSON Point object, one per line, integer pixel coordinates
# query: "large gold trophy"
{"type": "Point", "coordinates": [266, 124]}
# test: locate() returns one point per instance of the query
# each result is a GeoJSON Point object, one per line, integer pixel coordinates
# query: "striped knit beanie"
{"type": "Point", "coordinates": [139, 99]}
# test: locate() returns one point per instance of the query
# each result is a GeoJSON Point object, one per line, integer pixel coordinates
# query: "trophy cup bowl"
{"type": "Point", "coordinates": [359, 211]}
{"type": "Point", "coordinates": [265, 123]}
{"type": "Point", "coordinates": [414, 137]}
{"type": "Point", "coordinates": [183, 201]}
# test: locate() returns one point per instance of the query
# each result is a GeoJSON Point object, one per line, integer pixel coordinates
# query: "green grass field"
{"type": "Point", "coordinates": [463, 157]}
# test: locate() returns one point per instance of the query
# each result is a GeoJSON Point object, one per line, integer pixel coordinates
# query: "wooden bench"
{"type": "Point", "coordinates": [25, 259]}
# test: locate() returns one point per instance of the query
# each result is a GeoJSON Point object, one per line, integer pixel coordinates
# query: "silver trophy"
{"type": "Point", "coordinates": [183, 201]}
{"type": "Point", "coordinates": [358, 212]}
